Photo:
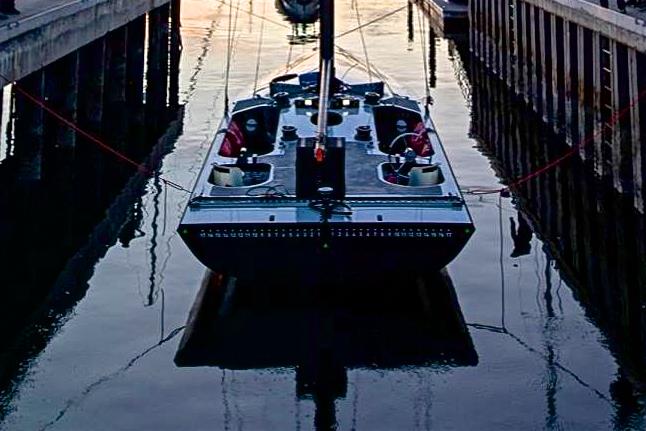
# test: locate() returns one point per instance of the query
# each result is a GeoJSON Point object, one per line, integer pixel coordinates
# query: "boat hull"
{"type": "Point", "coordinates": [313, 249]}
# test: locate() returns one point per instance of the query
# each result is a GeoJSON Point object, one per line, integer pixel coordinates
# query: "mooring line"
{"type": "Point", "coordinates": [618, 115]}
{"type": "Point", "coordinates": [89, 136]}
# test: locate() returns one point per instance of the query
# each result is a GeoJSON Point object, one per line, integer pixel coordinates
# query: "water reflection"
{"type": "Point", "coordinates": [594, 237]}
{"type": "Point", "coordinates": [45, 271]}
{"type": "Point", "coordinates": [323, 329]}
{"type": "Point", "coordinates": [302, 16]}
{"type": "Point", "coordinates": [56, 226]}
{"type": "Point", "coordinates": [522, 235]}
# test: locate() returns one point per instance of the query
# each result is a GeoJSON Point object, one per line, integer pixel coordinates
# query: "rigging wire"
{"type": "Point", "coordinates": [379, 18]}
{"type": "Point", "coordinates": [230, 43]}
{"type": "Point", "coordinates": [89, 136]}
{"type": "Point", "coordinates": [618, 115]}
{"type": "Point", "coordinates": [260, 40]}
{"type": "Point", "coordinates": [363, 40]}
{"type": "Point", "coordinates": [375, 71]}
{"type": "Point", "coordinates": [422, 43]}
{"type": "Point", "coordinates": [289, 56]}
{"type": "Point", "coordinates": [505, 331]}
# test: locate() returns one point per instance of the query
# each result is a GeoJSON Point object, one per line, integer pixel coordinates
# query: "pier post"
{"type": "Point", "coordinates": [555, 92]}
{"type": "Point", "coordinates": [637, 65]}
{"type": "Point", "coordinates": [492, 52]}
{"type": "Point", "coordinates": [586, 91]}
{"type": "Point", "coordinates": [92, 72]}
{"type": "Point", "coordinates": [545, 63]}
{"type": "Point", "coordinates": [621, 146]}
{"type": "Point", "coordinates": [505, 42]}
{"type": "Point", "coordinates": [518, 42]}
{"type": "Point", "coordinates": [573, 86]}
{"type": "Point", "coordinates": [67, 71]}
{"type": "Point", "coordinates": [473, 25]}
{"type": "Point", "coordinates": [157, 76]}
{"type": "Point", "coordinates": [533, 55]}
{"type": "Point", "coordinates": [175, 54]}
{"type": "Point", "coordinates": [29, 129]}
{"type": "Point", "coordinates": [116, 115]}
{"type": "Point", "coordinates": [61, 93]}
{"type": "Point", "coordinates": [136, 61]}
{"type": "Point", "coordinates": [497, 38]}
{"type": "Point", "coordinates": [596, 120]}
{"type": "Point", "coordinates": [559, 74]}
{"type": "Point", "coordinates": [91, 111]}
{"type": "Point", "coordinates": [485, 31]}
{"type": "Point", "coordinates": [527, 53]}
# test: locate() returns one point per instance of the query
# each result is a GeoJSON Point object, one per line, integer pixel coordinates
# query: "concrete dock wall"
{"type": "Point", "coordinates": [38, 40]}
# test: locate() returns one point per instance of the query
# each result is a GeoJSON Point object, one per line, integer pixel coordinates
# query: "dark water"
{"type": "Point", "coordinates": [538, 324]}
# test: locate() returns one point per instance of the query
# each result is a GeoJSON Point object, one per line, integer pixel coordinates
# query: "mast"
{"type": "Point", "coordinates": [326, 72]}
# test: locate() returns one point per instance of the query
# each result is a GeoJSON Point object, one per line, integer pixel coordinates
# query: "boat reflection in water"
{"type": "Point", "coordinates": [325, 328]}
{"type": "Point", "coordinates": [299, 11]}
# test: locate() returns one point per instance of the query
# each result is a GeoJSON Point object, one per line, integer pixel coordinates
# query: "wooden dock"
{"type": "Point", "coordinates": [87, 59]}
{"type": "Point", "coordinates": [582, 68]}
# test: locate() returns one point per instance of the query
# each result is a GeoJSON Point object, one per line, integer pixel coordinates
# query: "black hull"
{"type": "Point", "coordinates": [325, 251]}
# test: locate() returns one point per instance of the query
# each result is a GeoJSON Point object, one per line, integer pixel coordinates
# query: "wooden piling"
{"type": "Point", "coordinates": [175, 54]}
{"type": "Point", "coordinates": [157, 74]}
{"type": "Point", "coordinates": [575, 67]}
{"type": "Point", "coordinates": [61, 93]}
{"type": "Point", "coordinates": [92, 72]}
{"type": "Point", "coordinates": [116, 118]}
{"type": "Point", "coordinates": [29, 129]}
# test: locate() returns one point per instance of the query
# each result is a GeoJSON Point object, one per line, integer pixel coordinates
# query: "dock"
{"type": "Point", "coordinates": [582, 68]}
{"type": "Point", "coordinates": [447, 16]}
{"type": "Point", "coordinates": [110, 69]}
{"type": "Point", "coordinates": [87, 59]}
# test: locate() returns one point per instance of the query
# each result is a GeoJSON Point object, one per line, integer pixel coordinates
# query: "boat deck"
{"type": "Point", "coordinates": [240, 214]}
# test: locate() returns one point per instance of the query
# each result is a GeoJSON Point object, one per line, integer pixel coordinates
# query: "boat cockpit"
{"type": "Point", "coordinates": [263, 133]}
{"type": "Point", "coordinates": [251, 131]}
{"type": "Point", "coordinates": [399, 128]}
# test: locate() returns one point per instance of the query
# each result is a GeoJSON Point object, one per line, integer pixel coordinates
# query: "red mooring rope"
{"type": "Point", "coordinates": [575, 149]}
{"type": "Point", "coordinates": [141, 168]}
{"type": "Point", "coordinates": [95, 140]}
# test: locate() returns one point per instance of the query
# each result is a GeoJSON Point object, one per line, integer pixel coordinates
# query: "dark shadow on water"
{"type": "Point", "coordinates": [66, 200]}
{"type": "Point", "coordinates": [324, 328]}
{"type": "Point", "coordinates": [595, 237]}
{"type": "Point", "coordinates": [50, 253]}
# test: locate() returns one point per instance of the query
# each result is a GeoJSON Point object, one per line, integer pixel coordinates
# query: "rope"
{"type": "Point", "coordinates": [260, 39]}
{"type": "Point", "coordinates": [90, 137]}
{"type": "Point", "coordinates": [574, 150]}
{"type": "Point", "coordinates": [422, 41]}
{"type": "Point", "coordinates": [357, 62]}
{"type": "Point", "coordinates": [363, 40]}
{"type": "Point", "coordinates": [380, 18]}
{"type": "Point", "coordinates": [289, 55]}
{"type": "Point", "coordinates": [230, 40]}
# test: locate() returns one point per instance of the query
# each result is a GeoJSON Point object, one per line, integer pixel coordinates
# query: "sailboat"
{"type": "Point", "coordinates": [320, 174]}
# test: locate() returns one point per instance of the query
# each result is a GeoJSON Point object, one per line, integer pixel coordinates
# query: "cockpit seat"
{"type": "Point", "coordinates": [398, 129]}
{"type": "Point", "coordinates": [253, 129]}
